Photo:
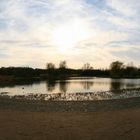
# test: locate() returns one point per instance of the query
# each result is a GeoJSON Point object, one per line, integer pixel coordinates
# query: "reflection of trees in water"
{"type": "Point", "coordinates": [50, 84]}
{"type": "Point", "coordinates": [131, 84]}
{"type": "Point", "coordinates": [20, 82]}
{"type": "Point", "coordinates": [87, 84]}
{"type": "Point", "coordinates": [116, 85]}
{"type": "Point", "coordinates": [63, 86]}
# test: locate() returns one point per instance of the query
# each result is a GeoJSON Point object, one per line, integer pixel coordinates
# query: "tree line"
{"type": "Point", "coordinates": [117, 69]}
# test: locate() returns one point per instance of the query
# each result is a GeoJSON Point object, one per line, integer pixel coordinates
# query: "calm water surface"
{"type": "Point", "coordinates": [72, 85]}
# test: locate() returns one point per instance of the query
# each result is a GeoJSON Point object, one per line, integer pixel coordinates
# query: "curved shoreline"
{"type": "Point", "coordinates": [88, 96]}
{"type": "Point", "coordinates": [68, 106]}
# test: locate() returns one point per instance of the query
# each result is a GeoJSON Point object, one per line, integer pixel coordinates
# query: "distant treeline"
{"type": "Point", "coordinates": [117, 70]}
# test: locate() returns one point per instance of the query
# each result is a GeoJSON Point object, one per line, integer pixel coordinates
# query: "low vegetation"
{"type": "Point", "coordinates": [117, 70]}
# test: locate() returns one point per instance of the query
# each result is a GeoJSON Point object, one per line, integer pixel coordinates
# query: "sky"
{"type": "Point", "coordinates": [36, 32]}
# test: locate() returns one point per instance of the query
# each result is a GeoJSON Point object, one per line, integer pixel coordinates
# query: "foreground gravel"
{"type": "Point", "coordinates": [67, 106]}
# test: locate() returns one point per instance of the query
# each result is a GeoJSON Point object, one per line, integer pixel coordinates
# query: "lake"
{"type": "Point", "coordinates": [71, 85]}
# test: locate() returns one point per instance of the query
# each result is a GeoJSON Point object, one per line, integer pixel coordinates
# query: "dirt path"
{"type": "Point", "coordinates": [111, 125]}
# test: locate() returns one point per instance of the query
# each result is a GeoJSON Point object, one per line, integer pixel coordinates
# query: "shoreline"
{"type": "Point", "coordinates": [68, 106]}
{"type": "Point", "coordinates": [78, 96]}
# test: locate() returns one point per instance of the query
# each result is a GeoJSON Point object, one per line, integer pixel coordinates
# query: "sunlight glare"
{"type": "Point", "coordinates": [69, 34]}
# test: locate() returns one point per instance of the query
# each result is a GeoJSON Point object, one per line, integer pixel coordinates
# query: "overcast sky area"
{"type": "Point", "coordinates": [34, 32]}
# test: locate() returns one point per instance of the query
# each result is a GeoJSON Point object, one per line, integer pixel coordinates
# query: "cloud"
{"type": "Point", "coordinates": [125, 7]}
{"type": "Point", "coordinates": [34, 32]}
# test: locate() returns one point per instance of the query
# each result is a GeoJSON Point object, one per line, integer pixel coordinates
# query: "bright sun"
{"type": "Point", "coordinates": [69, 34]}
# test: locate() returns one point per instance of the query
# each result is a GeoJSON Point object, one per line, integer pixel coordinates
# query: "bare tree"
{"type": "Point", "coordinates": [63, 65]}
{"type": "Point", "coordinates": [87, 66]}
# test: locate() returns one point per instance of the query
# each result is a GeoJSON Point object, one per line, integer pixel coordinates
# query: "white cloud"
{"type": "Point", "coordinates": [40, 31]}
{"type": "Point", "coordinates": [125, 7]}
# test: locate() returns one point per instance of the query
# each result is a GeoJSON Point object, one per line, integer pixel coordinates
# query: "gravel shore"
{"type": "Point", "coordinates": [67, 106]}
